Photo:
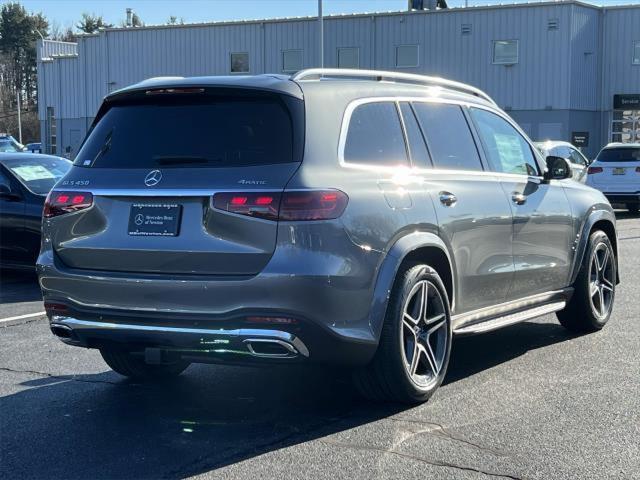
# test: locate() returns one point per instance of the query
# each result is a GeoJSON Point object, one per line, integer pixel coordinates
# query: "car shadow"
{"type": "Point", "coordinates": [625, 214]}
{"type": "Point", "coordinates": [102, 426]}
{"type": "Point", "coordinates": [19, 286]}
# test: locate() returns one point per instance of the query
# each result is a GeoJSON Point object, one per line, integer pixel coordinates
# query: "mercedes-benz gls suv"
{"type": "Point", "coordinates": [348, 217]}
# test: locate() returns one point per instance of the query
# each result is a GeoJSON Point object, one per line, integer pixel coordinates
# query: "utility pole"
{"type": "Point", "coordinates": [19, 117]}
{"type": "Point", "coordinates": [321, 28]}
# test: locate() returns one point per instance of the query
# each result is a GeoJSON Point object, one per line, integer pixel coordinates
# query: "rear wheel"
{"type": "Point", "coordinates": [129, 365]}
{"type": "Point", "coordinates": [594, 290]}
{"type": "Point", "coordinates": [633, 207]}
{"type": "Point", "coordinates": [415, 343]}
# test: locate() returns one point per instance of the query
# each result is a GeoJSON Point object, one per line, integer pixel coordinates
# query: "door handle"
{"type": "Point", "coordinates": [447, 199]}
{"type": "Point", "coordinates": [519, 198]}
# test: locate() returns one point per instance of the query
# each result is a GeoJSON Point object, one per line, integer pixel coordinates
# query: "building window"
{"type": "Point", "coordinates": [291, 60]}
{"type": "Point", "coordinates": [349, 57]}
{"type": "Point", "coordinates": [505, 52]}
{"type": "Point", "coordinates": [406, 56]}
{"type": "Point", "coordinates": [51, 130]}
{"type": "Point", "coordinates": [240, 62]}
{"type": "Point", "coordinates": [636, 53]}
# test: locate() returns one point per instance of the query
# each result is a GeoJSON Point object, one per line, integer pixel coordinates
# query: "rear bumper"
{"type": "Point", "coordinates": [328, 297]}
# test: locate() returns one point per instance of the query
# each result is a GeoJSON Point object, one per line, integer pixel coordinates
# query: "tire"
{"type": "Point", "coordinates": [633, 207]}
{"type": "Point", "coordinates": [585, 313]}
{"type": "Point", "coordinates": [389, 376]}
{"type": "Point", "coordinates": [124, 363]}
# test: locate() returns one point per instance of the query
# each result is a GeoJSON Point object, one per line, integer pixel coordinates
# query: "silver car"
{"type": "Point", "coordinates": [579, 163]}
{"type": "Point", "coordinates": [348, 217]}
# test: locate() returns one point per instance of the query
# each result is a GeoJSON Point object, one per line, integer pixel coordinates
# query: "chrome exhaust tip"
{"type": "Point", "coordinates": [270, 348]}
{"type": "Point", "coordinates": [62, 331]}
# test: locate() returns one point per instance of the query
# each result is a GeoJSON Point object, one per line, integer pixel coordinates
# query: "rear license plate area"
{"type": "Point", "coordinates": [618, 171]}
{"type": "Point", "coordinates": [155, 219]}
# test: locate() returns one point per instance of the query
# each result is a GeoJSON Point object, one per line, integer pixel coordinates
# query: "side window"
{"type": "Point", "coordinates": [417, 147]}
{"type": "Point", "coordinates": [506, 149]}
{"type": "Point", "coordinates": [576, 157]}
{"type": "Point", "coordinates": [375, 136]}
{"type": "Point", "coordinates": [448, 136]}
{"type": "Point", "coordinates": [4, 180]}
{"type": "Point", "coordinates": [560, 152]}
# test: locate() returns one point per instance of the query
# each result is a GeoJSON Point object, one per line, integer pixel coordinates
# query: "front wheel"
{"type": "Point", "coordinates": [415, 343]}
{"type": "Point", "coordinates": [127, 364]}
{"type": "Point", "coordinates": [594, 289]}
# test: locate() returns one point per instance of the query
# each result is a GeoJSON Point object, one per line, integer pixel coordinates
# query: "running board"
{"type": "Point", "coordinates": [513, 318]}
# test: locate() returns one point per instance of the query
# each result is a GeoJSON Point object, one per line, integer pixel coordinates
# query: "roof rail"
{"type": "Point", "coordinates": [379, 75]}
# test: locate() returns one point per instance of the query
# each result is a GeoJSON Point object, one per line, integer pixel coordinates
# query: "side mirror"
{"type": "Point", "coordinates": [558, 168]}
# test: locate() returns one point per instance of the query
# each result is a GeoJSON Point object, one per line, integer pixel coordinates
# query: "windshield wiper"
{"type": "Point", "coordinates": [106, 146]}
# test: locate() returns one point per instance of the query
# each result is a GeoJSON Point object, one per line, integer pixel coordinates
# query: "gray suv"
{"type": "Point", "coordinates": [349, 217]}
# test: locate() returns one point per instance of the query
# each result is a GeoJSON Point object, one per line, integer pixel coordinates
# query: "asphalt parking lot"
{"type": "Point", "coordinates": [529, 401]}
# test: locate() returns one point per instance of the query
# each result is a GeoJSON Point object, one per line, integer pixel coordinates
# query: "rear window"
{"type": "Point", "coordinates": [619, 155]}
{"type": "Point", "coordinates": [39, 175]}
{"type": "Point", "coordinates": [210, 132]}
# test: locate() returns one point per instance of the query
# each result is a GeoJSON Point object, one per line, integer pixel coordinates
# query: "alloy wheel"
{"type": "Point", "coordinates": [601, 281]}
{"type": "Point", "coordinates": [424, 334]}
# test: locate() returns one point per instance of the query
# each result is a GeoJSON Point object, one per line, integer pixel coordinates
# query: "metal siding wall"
{"type": "Point", "coordinates": [300, 35]}
{"type": "Point", "coordinates": [444, 51]}
{"type": "Point", "coordinates": [349, 32]}
{"type": "Point", "coordinates": [553, 70]}
{"type": "Point", "coordinates": [621, 29]}
{"type": "Point", "coordinates": [585, 58]}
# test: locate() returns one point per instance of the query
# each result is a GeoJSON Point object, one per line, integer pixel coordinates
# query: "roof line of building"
{"type": "Point", "coordinates": [360, 15]}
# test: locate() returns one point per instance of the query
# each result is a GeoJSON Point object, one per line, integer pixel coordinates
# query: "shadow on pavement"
{"type": "Point", "coordinates": [101, 426]}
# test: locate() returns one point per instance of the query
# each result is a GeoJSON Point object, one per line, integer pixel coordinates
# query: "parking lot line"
{"type": "Point", "coordinates": [20, 317]}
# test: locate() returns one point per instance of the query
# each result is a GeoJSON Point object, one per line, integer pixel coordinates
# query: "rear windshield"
{"type": "Point", "coordinates": [202, 132]}
{"type": "Point", "coordinates": [619, 155]}
{"type": "Point", "coordinates": [38, 174]}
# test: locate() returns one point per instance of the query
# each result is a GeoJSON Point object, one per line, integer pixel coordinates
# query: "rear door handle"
{"type": "Point", "coordinates": [519, 198]}
{"type": "Point", "coordinates": [447, 199]}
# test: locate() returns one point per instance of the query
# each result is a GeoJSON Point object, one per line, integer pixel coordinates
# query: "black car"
{"type": "Point", "coordinates": [25, 181]}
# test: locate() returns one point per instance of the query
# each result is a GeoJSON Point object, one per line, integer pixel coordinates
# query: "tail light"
{"type": "Point", "coordinates": [289, 206]}
{"type": "Point", "coordinates": [55, 308]}
{"type": "Point", "coordinates": [59, 203]}
{"type": "Point", "coordinates": [592, 170]}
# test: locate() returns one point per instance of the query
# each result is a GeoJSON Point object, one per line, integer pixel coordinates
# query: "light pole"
{"type": "Point", "coordinates": [19, 116]}
{"type": "Point", "coordinates": [321, 28]}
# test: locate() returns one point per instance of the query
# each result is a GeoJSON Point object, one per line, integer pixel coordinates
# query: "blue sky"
{"type": "Point", "coordinates": [67, 12]}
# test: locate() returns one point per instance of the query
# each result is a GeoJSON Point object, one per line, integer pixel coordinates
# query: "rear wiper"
{"type": "Point", "coordinates": [181, 159]}
{"type": "Point", "coordinates": [106, 146]}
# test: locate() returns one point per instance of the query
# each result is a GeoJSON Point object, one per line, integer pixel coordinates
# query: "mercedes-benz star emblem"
{"type": "Point", "coordinates": [139, 219]}
{"type": "Point", "coordinates": [153, 178]}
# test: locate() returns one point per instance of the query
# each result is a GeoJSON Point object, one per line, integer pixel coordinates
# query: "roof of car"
{"type": "Point", "coordinates": [271, 82]}
{"type": "Point", "coordinates": [553, 143]}
{"type": "Point", "coordinates": [26, 156]}
{"type": "Point", "coordinates": [380, 82]}
{"type": "Point", "coordinates": [622, 145]}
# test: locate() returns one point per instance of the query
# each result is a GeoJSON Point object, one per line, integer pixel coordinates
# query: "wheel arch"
{"type": "Point", "coordinates": [423, 247]}
{"type": "Point", "coordinates": [598, 220]}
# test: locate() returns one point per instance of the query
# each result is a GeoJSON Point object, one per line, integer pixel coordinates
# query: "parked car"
{"type": "Point", "coordinates": [35, 147]}
{"type": "Point", "coordinates": [8, 144]}
{"type": "Point", "coordinates": [25, 180]}
{"type": "Point", "coordinates": [616, 173]}
{"type": "Point", "coordinates": [358, 218]}
{"type": "Point", "coordinates": [578, 161]}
